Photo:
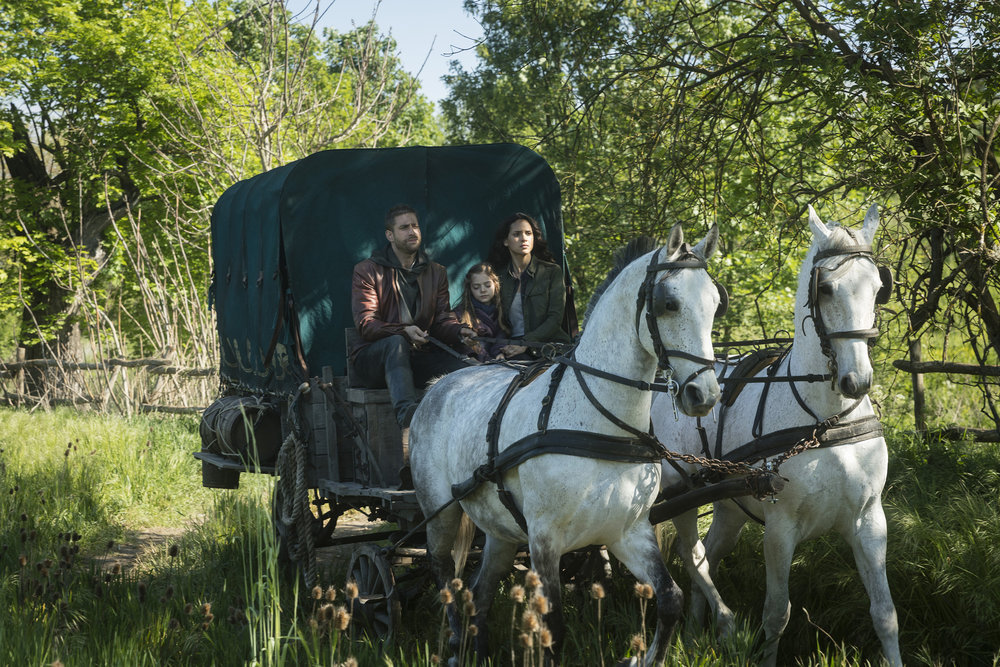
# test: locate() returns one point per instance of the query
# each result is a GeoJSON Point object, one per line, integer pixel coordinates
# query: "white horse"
{"type": "Point", "coordinates": [835, 487]}
{"type": "Point", "coordinates": [568, 501]}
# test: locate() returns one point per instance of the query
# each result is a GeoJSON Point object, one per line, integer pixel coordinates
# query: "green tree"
{"type": "Point", "coordinates": [671, 111]}
{"type": "Point", "coordinates": [121, 124]}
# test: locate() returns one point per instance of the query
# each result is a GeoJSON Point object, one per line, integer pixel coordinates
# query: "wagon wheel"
{"type": "Point", "coordinates": [377, 605]}
{"type": "Point", "coordinates": [324, 513]}
{"type": "Point", "coordinates": [285, 535]}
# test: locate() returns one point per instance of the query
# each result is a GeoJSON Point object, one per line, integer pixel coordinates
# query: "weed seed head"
{"type": "Point", "coordinates": [517, 593]}
{"type": "Point", "coordinates": [341, 619]}
{"type": "Point", "coordinates": [473, 629]}
{"type": "Point", "coordinates": [638, 644]}
{"type": "Point", "coordinates": [644, 591]}
{"type": "Point", "coordinates": [352, 590]}
{"type": "Point", "coordinates": [532, 580]}
{"type": "Point", "coordinates": [174, 624]}
{"type": "Point", "coordinates": [116, 569]}
{"type": "Point", "coordinates": [317, 592]}
{"type": "Point", "coordinates": [526, 640]}
{"type": "Point", "coordinates": [446, 597]}
{"type": "Point", "coordinates": [466, 595]}
{"type": "Point", "coordinates": [545, 637]}
{"type": "Point", "coordinates": [189, 609]}
{"type": "Point", "coordinates": [540, 604]}
{"type": "Point", "coordinates": [456, 584]}
{"type": "Point", "coordinates": [331, 594]}
{"type": "Point", "coordinates": [597, 591]}
{"type": "Point", "coordinates": [530, 621]}
{"type": "Point", "coordinates": [206, 608]}
{"type": "Point", "coordinates": [173, 551]}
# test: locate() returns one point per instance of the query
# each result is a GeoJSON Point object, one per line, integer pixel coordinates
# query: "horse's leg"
{"type": "Point", "coordinates": [641, 555]}
{"type": "Point", "coordinates": [780, 541]}
{"type": "Point", "coordinates": [496, 562]}
{"type": "Point", "coordinates": [441, 533]}
{"type": "Point", "coordinates": [545, 557]}
{"type": "Point", "coordinates": [868, 541]}
{"type": "Point", "coordinates": [719, 542]}
{"type": "Point", "coordinates": [692, 552]}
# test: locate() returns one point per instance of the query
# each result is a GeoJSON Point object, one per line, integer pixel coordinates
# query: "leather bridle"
{"type": "Point", "coordinates": [815, 312]}
{"type": "Point", "coordinates": [653, 298]}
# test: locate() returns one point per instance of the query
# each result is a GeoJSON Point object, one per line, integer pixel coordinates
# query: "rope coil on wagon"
{"type": "Point", "coordinates": [292, 505]}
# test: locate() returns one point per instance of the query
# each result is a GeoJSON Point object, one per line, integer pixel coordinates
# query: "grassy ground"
{"type": "Point", "coordinates": [75, 486]}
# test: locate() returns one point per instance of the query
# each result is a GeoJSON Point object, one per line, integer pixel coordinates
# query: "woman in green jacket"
{"type": "Point", "coordinates": [531, 285]}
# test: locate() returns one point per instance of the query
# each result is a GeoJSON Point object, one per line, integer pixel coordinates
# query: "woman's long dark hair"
{"type": "Point", "coordinates": [499, 255]}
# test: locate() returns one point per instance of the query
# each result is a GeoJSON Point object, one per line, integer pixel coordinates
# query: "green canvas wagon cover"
{"type": "Point", "coordinates": [285, 242]}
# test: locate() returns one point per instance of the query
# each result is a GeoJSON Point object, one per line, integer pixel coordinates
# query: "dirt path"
{"type": "Point", "coordinates": [142, 545]}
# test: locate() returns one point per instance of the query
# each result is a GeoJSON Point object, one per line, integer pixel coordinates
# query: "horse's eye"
{"type": "Point", "coordinates": [826, 289]}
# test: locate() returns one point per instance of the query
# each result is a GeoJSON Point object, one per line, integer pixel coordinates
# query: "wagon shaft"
{"type": "Point", "coordinates": [758, 486]}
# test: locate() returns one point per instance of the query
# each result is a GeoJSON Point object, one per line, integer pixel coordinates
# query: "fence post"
{"type": "Point", "coordinates": [19, 376]}
{"type": "Point", "coordinates": [918, 388]}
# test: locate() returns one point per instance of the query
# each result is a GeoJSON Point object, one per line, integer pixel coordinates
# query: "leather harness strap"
{"type": "Point", "coordinates": [641, 447]}
{"type": "Point", "coordinates": [776, 442]}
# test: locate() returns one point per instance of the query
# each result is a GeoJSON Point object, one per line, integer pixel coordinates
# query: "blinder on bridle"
{"type": "Point", "coordinates": [885, 291]}
{"type": "Point", "coordinates": [815, 280]}
{"type": "Point", "coordinates": [657, 300]}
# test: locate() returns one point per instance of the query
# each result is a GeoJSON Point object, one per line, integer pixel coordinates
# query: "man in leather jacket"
{"type": "Point", "coordinates": [399, 299]}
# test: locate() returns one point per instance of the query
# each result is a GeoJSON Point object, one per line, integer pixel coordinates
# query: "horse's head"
{"type": "Point", "coordinates": [680, 302]}
{"type": "Point", "coordinates": [843, 286]}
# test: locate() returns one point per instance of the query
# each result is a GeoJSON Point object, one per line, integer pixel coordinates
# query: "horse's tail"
{"type": "Point", "coordinates": [463, 542]}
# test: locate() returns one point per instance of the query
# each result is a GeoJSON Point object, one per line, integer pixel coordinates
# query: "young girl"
{"type": "Point", "coordinates": [480, 310]}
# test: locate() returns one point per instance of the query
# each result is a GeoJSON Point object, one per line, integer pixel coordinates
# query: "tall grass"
{"type": "Point", "coordinates": [73, 486]}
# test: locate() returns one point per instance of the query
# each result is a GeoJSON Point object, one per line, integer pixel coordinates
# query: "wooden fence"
{"type": "Point", "coordinates": [125, 385]}
{"type": "Point", "coordinates": [916, 367]}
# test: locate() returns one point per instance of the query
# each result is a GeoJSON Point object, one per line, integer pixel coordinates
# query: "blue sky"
{"type": "Point", "coordinates": [437, 30]}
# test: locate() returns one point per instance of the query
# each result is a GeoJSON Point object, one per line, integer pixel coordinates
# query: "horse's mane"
{"type": "Point", "coordinates": [624, 256]}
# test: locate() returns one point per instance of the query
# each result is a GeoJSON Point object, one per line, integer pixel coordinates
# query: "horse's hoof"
{"type": "Point", "coordinates": [628, 662]}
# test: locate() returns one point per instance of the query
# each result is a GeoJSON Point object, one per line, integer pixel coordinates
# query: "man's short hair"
{"type": "Point", "coordinates": [395, 212]}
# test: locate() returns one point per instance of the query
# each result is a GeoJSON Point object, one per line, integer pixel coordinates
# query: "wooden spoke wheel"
{"type": "Point", "coordinates": [323, 522]}
{"type": "Point", "coordinates": [377, 607]}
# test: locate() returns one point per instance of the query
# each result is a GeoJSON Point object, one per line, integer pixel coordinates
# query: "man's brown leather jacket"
{"type": "Point", "coordinates": [375, 300]}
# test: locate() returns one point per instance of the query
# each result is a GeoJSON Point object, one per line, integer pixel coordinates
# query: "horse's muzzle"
{"type": "Point", "coordinates": [698, 398]}
{"type": "Point", "coordinates": [854, 385]}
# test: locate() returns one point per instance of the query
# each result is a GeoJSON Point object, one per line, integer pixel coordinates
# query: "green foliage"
{"type": "Point", "coordinates": [658, 112]}
{"type": "Point", "coordinates": [122, 124]}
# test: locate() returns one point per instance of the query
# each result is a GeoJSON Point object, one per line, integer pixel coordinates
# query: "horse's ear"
{"type": "Point", "coordinates": [870, 225]}
{"type": "Point", "coordinates": [819, 229]}
{"type": "Point", "coordinates": [675, 239]}
{"type": "Point", "coordinates": [708, 245]}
